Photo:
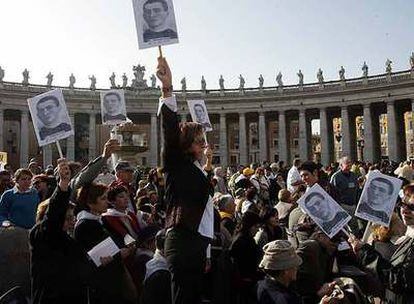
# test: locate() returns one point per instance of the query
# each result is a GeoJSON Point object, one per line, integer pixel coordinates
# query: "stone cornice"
{"type": "Point", "coordinates": [334, 94]}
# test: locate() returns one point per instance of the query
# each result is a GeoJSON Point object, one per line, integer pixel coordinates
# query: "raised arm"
{"type": "Point", "coordinates": [170, 123]}
{"type": "Point", "coordinates": [59, 201]}
{"type": "Point", "coordinates": [91, 171]}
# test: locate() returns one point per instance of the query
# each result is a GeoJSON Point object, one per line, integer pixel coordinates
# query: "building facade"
{"type": "Point", "coordinates": [367, 118]}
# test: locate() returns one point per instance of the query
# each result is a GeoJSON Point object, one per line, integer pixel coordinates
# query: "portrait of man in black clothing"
{"type": "Point", "coordinates": [48, 110]}
{"type": "Point", "coordinates": [113, 107]}
{"type": "Point", "coordinates": [156, 13]}
{"type": "Point", "coordinates": [50, 117]}
{"type": "Point", "coordinates": [325, 212]}
{"type": "Point", "coordinates": [201, 116]}
{"type": "Point", "coordinates": [378, 200]}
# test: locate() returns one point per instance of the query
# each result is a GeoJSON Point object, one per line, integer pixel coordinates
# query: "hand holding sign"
{"type": "Point", "coordinates": [164, 75]}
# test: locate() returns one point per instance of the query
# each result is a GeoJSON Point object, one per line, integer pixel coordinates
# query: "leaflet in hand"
{"type": "Point", "coordinates": [105, 248]}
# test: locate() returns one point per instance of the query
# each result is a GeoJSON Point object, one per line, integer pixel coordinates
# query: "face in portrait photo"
{"type": "Point", "coordinates": [378, 198]}
{"type": "Point", "coordinates": [324, 211]}
{"type": "Point", "coordinates": [155, 22]}
{"type": "Point", "coordinates": [113, 107]}
{"type": "Point", "coordinates": [50, 117]}
{"type": "Point", "coordinates": [199, 113]}
{"type": "Point", "coordinates": [319, 207]}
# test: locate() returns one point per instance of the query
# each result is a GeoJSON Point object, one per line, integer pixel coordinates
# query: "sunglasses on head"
{"type": "Point", "coordinates": [407, 206]}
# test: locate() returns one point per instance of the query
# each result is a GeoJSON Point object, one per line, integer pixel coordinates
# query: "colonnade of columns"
{"type": "Point", "coordinates": [371, 151]}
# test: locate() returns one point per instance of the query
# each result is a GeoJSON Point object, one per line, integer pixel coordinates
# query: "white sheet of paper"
{"type": "Point", "coordinates": [324, 210]}
{"type": "Point", "coordinates": [206, 227]}
{"type": "Point", "coordinates": [128, 240]}
{"type": "Point", "coordinates": [199, 113]}
{"type": "Point", "coordinates": [378, 198]}
{"type": "Point", "coordinates": [104, 249]}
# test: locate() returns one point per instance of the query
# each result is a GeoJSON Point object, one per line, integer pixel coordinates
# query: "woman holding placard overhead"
{"type": "Point", "coordinates": [188, 196]}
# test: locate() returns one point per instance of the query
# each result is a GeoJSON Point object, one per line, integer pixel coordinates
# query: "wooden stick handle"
{"type": "Point", "coordinates": [59, 149]}
{"type": "Point", "coordinates": [160, 50]}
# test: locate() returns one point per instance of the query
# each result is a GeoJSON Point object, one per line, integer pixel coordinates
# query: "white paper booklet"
{"type": "Point", "coordinates": [104, 249]}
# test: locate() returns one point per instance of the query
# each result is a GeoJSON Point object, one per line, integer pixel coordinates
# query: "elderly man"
{"type": "Point", "coordinates": [293, 177]}
{"type": "Point", "coordinates": [220, 181]}
{"type": "Point", "coordinates": [345, 183]}
{"type": "Point", "coordinates": [155, 13]}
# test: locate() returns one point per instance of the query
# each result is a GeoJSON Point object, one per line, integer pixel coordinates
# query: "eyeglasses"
{"type": "Point", "coordinates": [405, 205]}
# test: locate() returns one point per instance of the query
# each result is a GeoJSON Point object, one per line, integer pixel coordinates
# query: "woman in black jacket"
{"type": "Point", "coordinates": [112, 282]}
{"type": "Point", "coordinates": [188, 195]}
{"type": "Point", "coordinates": [246, 256]}
{"type": "Point", "coordinates": [59, 267]}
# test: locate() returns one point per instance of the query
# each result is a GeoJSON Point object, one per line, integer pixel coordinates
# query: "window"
{"type": "Point", "coordinates": [216, 160]}
{"type": "Point", "coordinates": [296, 143]}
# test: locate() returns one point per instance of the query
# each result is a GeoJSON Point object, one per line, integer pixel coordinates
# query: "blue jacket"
{"type": "Point", "coordinates": [19, 208]}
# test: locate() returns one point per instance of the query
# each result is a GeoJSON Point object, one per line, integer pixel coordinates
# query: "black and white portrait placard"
{"type": "Point", "coordinates": [324, 210]}
{"type": "Point", "coordinates": [199, 114]}
{"type": "Point", "coordinates": [155, 23]}
{"type": "Point", "coordinates": [378, 198]}
{"type": "Point", "coordinates": [113, 107]}
{"type": "Point", "coordinates": [50, 117]}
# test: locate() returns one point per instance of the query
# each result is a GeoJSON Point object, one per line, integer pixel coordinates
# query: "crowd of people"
{"type": "Point", "coordinates": [189, 232]}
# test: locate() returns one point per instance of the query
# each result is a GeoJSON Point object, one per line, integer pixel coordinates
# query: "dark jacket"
{"type": "Point", "coordinates": [157, 288]}
{"type": "Point", "coordinates": [187, 189]}
{"type": "Point", "coordinates": [270, 291]}
{"type": "Point", "coordinates": [112, 282]}
{"type": "Point", "coordinates": [59, 267]}
{"type": "Point", "coordinates": [315, 270]}
{"type": "Point", "coordinates": [246, 256]}
{"type": "Point", "coordinates": [397, 275]}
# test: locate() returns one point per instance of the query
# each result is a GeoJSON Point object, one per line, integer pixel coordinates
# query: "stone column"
{"type": "Point", "coordinates": [283, 145]}
{"type": "Point", "coordinates": [304, 138]}
{"type": "Point", "coordinates": [92, 136]}
{"type": "Point", "coordinates": [326, 142]}
{"type": "Point", "coordinates": [24, 138]}
{"type": "Point", "coordinates": [346, 133]}
{"type": "Point", "coordinates": [154, 141]}
{"type": "Point", "coordinates": [369, 154]}
{"type": "Point", "coordinates": [47, 155]}
{"type": "Point", "coordinates": [394, 152]}
{"type": "Point", "coordinates": [242, 139]}
{"type": "Point", "coordinates": [223, 140]}
{"type": "Point", "coordinates": [1, 130]}
{"type": "Point", "coordinates": [262, 137]}
{"type": "Point", "coordinates": [70, 141]}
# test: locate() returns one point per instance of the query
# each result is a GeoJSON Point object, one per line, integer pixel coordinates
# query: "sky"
{"type": "Point", "coordinates": [217, 37]}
